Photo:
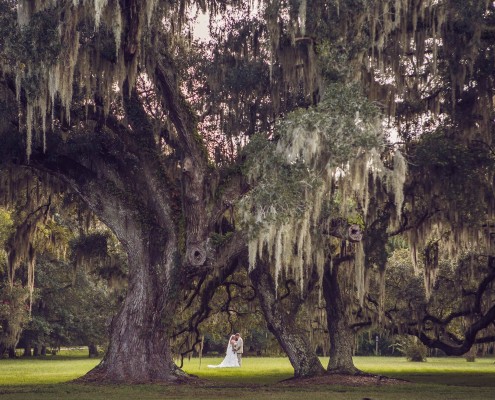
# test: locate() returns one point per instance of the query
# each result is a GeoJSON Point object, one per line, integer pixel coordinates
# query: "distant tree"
{"type": "Point", "coordinates": [457, 313]}
{"type": "Point", "coordinates": [73, 307]}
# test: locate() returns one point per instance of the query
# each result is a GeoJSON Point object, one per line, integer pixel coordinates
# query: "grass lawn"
{"type": "Point", "coordinates": [437, 379]}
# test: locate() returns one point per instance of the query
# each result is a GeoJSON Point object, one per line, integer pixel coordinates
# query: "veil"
{"type": "Point", "coordinates": [229, 346]}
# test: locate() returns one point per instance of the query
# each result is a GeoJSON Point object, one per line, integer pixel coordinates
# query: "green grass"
{"type": "Point", "coordinates": [437, 379]}
{"type": "Point", "coordinates": [452, 370]}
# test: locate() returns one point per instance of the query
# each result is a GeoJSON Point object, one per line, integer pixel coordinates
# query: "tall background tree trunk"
{"type": "Point", "coordinates": [27, 350]}
{"type": "Point", "coordinates": [341, 336]}
{"type": "Point", "coordinates": [282, 324]}
{"type": "Point", "coordinates": [93, 350]}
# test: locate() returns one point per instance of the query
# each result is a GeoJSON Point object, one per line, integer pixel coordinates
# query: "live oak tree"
{"type": "Point", "coordinates": [430, 64]}
{"type": "Point", "coordinates": [125, 174]}
{"type": "Point", "coordinates": [458, 312]}
{"type": "Point", "coordinates": [97, 85]}
{"type": "Point", "coordinates": [442, 103]}
{"type": "Point", "coordinates": [163, 230]}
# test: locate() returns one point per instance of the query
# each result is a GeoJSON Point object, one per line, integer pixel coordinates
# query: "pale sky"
{"type": "Point", "coordinates": [200, 29]}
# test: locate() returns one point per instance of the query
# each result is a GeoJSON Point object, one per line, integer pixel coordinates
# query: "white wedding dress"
{"type": "Point", "coordinates": [230, 360]}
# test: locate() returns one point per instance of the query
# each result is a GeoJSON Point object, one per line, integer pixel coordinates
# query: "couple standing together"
{"type": "Point", "coordinates": [233, 358]}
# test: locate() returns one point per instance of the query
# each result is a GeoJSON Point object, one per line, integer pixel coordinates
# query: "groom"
{"type": "Point", "coordinates": [238, 347]}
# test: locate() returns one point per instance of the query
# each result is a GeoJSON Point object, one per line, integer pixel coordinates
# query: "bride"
{"type": "Point", "coordinates": [230, 359]}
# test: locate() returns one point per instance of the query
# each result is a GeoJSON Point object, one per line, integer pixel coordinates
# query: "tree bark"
{"type": "Point", "coordinates": [341, 335]}
{"type": "Point", "coordinates": [282, 324]}
{"type": "Point", "coordinates": [27, 350]}
{"type": "Point", "coordinates": [139, 350]}
{"type": "Point", "coordinates": [128, 195]}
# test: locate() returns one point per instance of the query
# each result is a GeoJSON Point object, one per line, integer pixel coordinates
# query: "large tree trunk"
{"type": "Point", "coordinates": [126, 183]}
{"type": "Point", "coordinates": [341, 336]}
{"type": "Point", "coordinates": [293, 340]}
{"type": "Point", "coordinates": [139, 349]}
{"type": "Point", "coordinates": [130, 197]}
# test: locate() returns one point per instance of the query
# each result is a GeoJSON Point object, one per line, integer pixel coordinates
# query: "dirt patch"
{"type": "Point", "coordinates": [344, 380]}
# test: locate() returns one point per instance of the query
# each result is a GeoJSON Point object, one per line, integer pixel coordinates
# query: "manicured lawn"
{"type": "Point", "coordinates": [447, 371]}
{"type": "Point", "coordinates": [62, 368]}
{"type": "Point", "coordinates": [437, 379]}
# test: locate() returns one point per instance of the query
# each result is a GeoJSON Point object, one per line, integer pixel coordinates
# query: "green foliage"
{"type": "Point", "coordinates": [338, 127]}
{"type": "Point", "coordinates": [448, 158]}
{"type": "Point", "coordinates": [6, 225]}
{"type": "Point", "coordinates": [34, 44]}
{"type": "Point", "coordinates": [405, 289]}
{"type": "Point", "coordinates": [366, 344]}
{"type": "Point", "coordinates": [452, 293]}
{"type": "Point", "coordinates": [101, 39]}
{"type": "Point", "coordinates": [412, 348]}
{"type": "Point", "coordinates": [72, 306]}
{"type": "Point", "coordinates": [72, 301]}
{"type": "Point", "coordinates": [38, 42]}
{"type": "Point", "coordinates": [7, 27]}
{"type": "Point", "coordinates": [459, 174]}
{"type": "Point", "coordinates": [93, 245]}
{"type": "Point", "coordinates": [345, 120]}
{"type": "Point", "coordinates": [243, 76]}
{"type": "Point", "coordinates": [6, 229]}
{"type": "Point", "coordinates": [14, 314]}
{"type": "Point", "coordinates": [29, 48]}
{"type": "Point", "coordinates": [218, 239]}
{"type": "Point", "coordinates": [334, 58]}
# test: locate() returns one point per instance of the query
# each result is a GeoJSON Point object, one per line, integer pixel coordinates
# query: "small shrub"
{"type": "Point", "coordinates": [416, 352]}
{"type": "Point", "coordinates": [412, 349]}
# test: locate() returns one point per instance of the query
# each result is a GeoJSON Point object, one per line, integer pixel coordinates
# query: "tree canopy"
{"type": "Point", "coordinates": [298, 142]}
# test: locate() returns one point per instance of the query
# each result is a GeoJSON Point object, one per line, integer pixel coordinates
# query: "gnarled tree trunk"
{"type": "Point", "coordinates": [127, 194]}
{"type": "Point", "coordinates": [139, 349]}
{"type": "Point", "coordinates": [282, 324]}
{"type": "Point", "coordinates": [341, 335]}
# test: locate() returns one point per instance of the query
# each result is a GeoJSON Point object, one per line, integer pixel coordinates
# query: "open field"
{"type": "Point", "coordinates": [437, 379]}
